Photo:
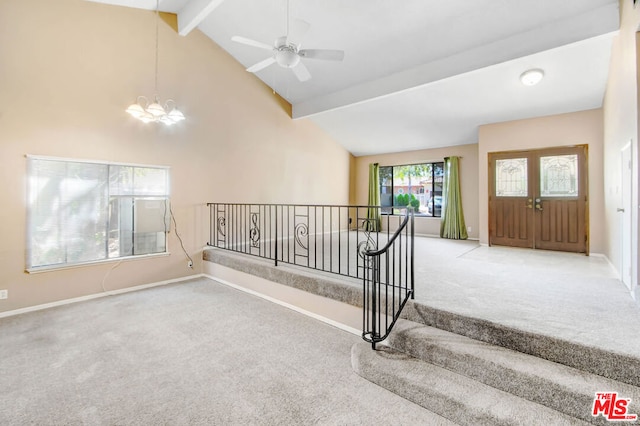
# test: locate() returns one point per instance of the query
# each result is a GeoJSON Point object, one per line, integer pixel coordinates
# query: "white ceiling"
{"type": "Point", "coordinates": [419, 73]}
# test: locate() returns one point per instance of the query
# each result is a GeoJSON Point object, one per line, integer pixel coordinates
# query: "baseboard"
{"type": "Point", "coordinates": [438, 236]}
{"type": "Point", "coordinates": [611, 265]}
{"type": "Point", "coordinates": [326, 320]}
{"type": "Point", "coordinates": [634, 291]}
{"type": "Point", "coordinates": [600, 255]}
{"type": "Point", "coordinates": [95, 296]}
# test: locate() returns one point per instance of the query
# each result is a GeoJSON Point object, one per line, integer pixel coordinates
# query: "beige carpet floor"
{"type": "Point", "coordinates": [196, 353]}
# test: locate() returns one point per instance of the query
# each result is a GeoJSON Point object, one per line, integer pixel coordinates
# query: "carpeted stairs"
{"type": "Point", "coordinates": [472, 382]}
{"type": "Point", "coordinates": [472, 371]}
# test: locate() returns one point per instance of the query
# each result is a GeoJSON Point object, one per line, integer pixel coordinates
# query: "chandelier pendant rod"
{"type": "Point", "coordinates": [157, 32]}
{"type": "Point", "coordinates": [148, 112]}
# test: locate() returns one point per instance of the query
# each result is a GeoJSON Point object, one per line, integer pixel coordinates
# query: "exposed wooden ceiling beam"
{"type": "Point", "coordinates": [193, 13]}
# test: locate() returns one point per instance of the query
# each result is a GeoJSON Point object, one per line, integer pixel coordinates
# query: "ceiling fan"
{"type": "Point", "coordinates": [286, 50]}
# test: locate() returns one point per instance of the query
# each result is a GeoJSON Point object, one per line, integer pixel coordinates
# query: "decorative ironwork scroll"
{"type": "Point", "coordinates": [300, 232]}
{"type": "Point", "coordinates": [368, 243]}
{"type": "Point", "coordinates": [221, 222]}
{"type": "Point", "coordinates": [254, 231]}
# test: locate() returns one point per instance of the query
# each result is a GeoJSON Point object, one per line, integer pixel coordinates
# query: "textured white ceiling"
{"type": "Point", "coordinates": [420, 73]}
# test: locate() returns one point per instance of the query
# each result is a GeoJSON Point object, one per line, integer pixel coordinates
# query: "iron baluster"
{"type": "Point", "coordinates": [263, 230]}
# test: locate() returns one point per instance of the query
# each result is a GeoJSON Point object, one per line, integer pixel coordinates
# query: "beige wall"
{"type": "Point", "coordinates": [339, 314]}
{"type": "Point", "coordinates": [578, 128]}
{"type": "Point", "coordinates": [468, 181]}
{"type": "Point", "coordinates": [69, 68]}
{"type": "Point", "coordinates": [621, 128]}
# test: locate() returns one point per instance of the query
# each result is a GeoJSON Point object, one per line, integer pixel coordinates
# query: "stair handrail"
{"type": "Point", "coordinates": [403, 224]}
{"type": "Point", "coordinates": [372, 323]}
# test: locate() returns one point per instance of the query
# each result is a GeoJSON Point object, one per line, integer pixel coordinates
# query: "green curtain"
{"type": "Point", "coordinates": [373, 214]}
{"type": "Point", "coordinates": [452, 225]}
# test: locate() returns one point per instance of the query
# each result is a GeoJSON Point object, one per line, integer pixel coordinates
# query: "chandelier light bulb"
{"type": "Point", "coordinates": [155, 112]}
{"type": "Point", "coordinates": [136, 110]}
{"type": "Point", "coordinates": [156, 109]}
{"type": "Point", "coordinates": [175, 115]}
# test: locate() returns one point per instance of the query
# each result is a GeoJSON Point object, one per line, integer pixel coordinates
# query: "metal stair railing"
{"type": "Point", "coordinates": [388, 282]}
{"type": "Point", "coordinates": [339, 239]}
{"type": "Point", "coordinates": [327, 238]}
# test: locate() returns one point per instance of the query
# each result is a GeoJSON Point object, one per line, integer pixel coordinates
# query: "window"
{"type": "Point", "coordinates": [417, 185]}
{"type": "Point", "coordinates": [511, 177]}
{"type": "Point", "coordinates": [559, 176]}
{"type": "Point", "coordinates": [81, 212]}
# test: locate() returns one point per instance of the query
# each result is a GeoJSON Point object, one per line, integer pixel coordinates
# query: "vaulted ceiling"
{"type": "Point", "coordinates": [419, 74]}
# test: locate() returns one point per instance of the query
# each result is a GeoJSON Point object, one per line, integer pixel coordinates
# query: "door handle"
{"type": "Point", "coordinates": [538, 205]}
{"type": "Point", "coordinates": [529, 203]}
{"type": "Point", "coordinates": [620, 210]}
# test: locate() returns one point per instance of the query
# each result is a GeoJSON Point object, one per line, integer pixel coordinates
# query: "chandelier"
{"type": "Point", "coordinates": [155, 112]}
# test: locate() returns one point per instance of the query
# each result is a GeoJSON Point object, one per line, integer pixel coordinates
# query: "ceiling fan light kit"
{"type": "Point", "coordinates": [286, 51]}
{"type": "Point", "coordinates": [155, 112]}
{"type": "Point", "coordinates": [287, 56]}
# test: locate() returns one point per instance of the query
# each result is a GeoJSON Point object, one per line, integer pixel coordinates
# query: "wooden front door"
{"type": "Point", "coordinates": [538, 199]}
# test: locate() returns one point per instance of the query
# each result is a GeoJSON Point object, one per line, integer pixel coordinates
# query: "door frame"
{"type": "Point", "coordinates": [626, 205]}
{"type": "Point", "coordinates": [533, 152]}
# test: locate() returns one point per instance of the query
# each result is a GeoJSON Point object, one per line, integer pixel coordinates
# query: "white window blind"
{"type": "Point", "coordinates": [82, 211]}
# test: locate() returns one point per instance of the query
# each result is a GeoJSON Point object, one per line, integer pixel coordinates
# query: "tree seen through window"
{"type": "Point", "coordinates": [415, 185]}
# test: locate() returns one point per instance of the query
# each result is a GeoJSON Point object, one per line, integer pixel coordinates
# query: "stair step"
{"type": "Point", "coordinates": [560, 374]}
{"type": "Point", "coordinates": [458, 398]}
{"type": "Point", "coordinates": [565, 389]}
{"type": "Point", "coordinates": [622, 367]}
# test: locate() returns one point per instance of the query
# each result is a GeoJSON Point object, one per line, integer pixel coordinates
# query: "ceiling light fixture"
{"type": "Point", "coordinates": [532, 77]}
{"type": "Point", "coordinates": [155, 112]}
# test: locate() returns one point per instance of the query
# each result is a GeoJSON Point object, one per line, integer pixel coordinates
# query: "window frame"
{"type": "Point", "coordinates": [390, 210]}
{"type": "Point", "coordinates": [31, 268]}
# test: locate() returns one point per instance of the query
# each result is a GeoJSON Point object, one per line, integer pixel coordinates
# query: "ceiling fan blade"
{"type": "Point", "coordinates": [301, 72]}
{"type": "Point", "coordinates": [249, 42]}
{"type": "Point", "coordinates": [262, 64]}
{"type": "Point", "coordinates": [297, 30]}
{"type": "Point", "coordinates": [323, 54]}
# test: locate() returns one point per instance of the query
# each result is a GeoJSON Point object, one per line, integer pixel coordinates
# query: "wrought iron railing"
{"type": "Point", "coordinates": [338, 239]}
{"type": "Point", "coordinates": [328, 238]}
{"type": "Point", "coordinates": [388, 282]}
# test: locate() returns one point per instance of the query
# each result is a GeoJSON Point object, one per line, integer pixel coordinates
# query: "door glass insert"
{"type": "Point", "coordinates": [559, 176]}
{"type": "Point", "coordinates": [511, 177]}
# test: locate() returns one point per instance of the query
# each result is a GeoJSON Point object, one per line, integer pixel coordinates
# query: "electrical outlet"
{"type": "Point", "coordinates": [469, 229]}
{"type": "Point", "coordinates": [190, 264]}
{"type": "Point", "coordinates": [4, 294]}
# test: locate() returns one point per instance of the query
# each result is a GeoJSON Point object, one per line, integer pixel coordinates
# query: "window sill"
{"type": "Point", "coordinates": [52, 268]}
